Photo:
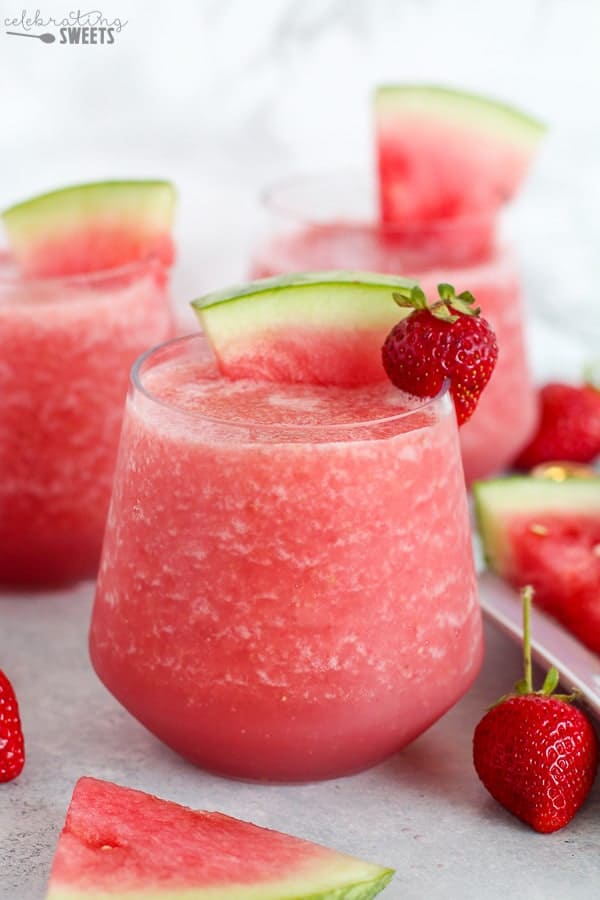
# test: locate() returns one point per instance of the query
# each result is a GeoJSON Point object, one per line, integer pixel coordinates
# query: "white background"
{"type": "Point", "coordinates": [223, 96]}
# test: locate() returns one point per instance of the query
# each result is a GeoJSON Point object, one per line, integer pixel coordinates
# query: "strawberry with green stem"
{"type": "Point", "coordinates": [534, 751]}
{"type": "Point", "coordinates": [447, 340]}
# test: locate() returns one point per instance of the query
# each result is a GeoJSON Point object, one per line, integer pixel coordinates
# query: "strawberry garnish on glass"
{"type": "Point", "coordinates": [534, 751]}
{"type": "Point", "coordinates": [447, 340]}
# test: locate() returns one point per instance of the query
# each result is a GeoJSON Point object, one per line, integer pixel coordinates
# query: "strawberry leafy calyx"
{"type": "Point", "coordinates": [524, 687]}
{"type": "Point", "coordinates": [414, 297]}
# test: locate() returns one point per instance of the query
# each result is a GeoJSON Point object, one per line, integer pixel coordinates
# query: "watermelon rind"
{"type": "Point", "coordinates": [151, 200]}
{"type": "Point", "coordinates": [364, 890]}
{"type": "Point", "coordinates": [303, 281]}
{"type": "Point", "coordinates": [123, 844]}
{"type": "Point", "coordinates": [457, 107]}
{"type": "Point", "coordinates": [500, 500]}
{"type": "Point", "coordinates": [276, 328]}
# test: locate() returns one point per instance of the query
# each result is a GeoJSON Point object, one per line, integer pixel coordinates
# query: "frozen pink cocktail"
{"type": "Point", "coordinates": [66, 346]}
{"type": "Point", "coordinates": [287, 588]}
{"type": "Point", "coordinates": [328, 222]}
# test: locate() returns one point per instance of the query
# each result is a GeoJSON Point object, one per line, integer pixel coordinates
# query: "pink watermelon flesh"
{"type": "Point", "coordinates": [119, 842]}
{"type": "Point", "coordinates": [445, 155]}
{"type": "Point", "coordinates": [425, 175]}
{"type": "Point", "coordinates": [94, 249]}
{"type": "Point", "coordinates": [340, 358]}
{"type": "Point", "coordinates": [563, 565]}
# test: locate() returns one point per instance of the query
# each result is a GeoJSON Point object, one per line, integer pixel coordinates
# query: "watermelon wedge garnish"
{"type": "Point", "coordinates": [92, 227]}
{"type": "Point", "coordinates": [317, 328]}
{"type": "Point", "coordinates": [443, 153]}
{"type": "Point", "coordinates": [547, 533]}
{"type": "Point", "coordinates": [122, 844]}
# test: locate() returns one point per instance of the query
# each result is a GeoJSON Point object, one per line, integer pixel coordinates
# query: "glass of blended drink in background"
{"type": "Point", "coordinates": [287, 589]}
{"type": "Point", "coordinates": [330, 221]}
{"type": "Point", "coordinates": [66, 347]}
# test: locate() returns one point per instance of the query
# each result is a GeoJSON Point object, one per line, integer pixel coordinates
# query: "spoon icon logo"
{"type": "Point", "coordinates": [46, 38]}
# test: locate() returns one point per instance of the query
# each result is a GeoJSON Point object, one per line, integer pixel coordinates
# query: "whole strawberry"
{"type": "Point", "coordinates": [445, 341]}
{"type": "Point", "coordinates": [536, 753]}
{"type": "Point", "coordinates": [568, 429]}
{"type": "Point", "coordinates": [12, 748]}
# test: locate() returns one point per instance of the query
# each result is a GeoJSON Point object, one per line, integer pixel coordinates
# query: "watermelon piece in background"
{"type": "Point", "coordinates": [91, 227]}
{"type": "Point", "coordinates": [445, 154]}
{"type": "Point", "coordinates": [316, 328]}
{"type": "Point", "coordinates": [547, 533]}
{"type": "Point", "coordinates": [122, 844]}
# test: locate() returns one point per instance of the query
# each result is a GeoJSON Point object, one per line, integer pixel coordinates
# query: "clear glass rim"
{"type": "Point", "coordinates": [270, 198]}
{"type": "Point", "coordinates": [136, 383]}
{"type": "Point", "coordinates": [11, 276]}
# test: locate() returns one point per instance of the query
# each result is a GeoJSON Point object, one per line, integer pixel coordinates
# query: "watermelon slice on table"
{"type": "Point", "coordinates": [92, 227]}
{"type": "Point", "coordinates": [122, 844]}
{"type": "Point", "coordinates": [445, 154]}
{"type": "Point", "coordinates": [317, 328]}
{"type": "Point", "coordinates": [547, 533]}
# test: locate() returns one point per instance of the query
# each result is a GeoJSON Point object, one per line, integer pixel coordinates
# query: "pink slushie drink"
{"type": "Point", "coordinates": [287, 588]}
{"type": "Point", "coordinates": [66, 346]}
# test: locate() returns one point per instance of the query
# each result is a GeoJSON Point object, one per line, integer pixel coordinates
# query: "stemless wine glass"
{"type": "Point", "coordinates": [329, 221]}
{"type": "Point", "coordinates": [66, 347]}
{"type": "Point", "coordinates": [287, 587]}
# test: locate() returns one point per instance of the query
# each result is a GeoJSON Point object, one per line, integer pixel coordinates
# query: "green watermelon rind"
{"type": "Point", "coordinates": [316, 301]}
{"type": "Point", "coordinates": [364, 890]}
{"type": "Point", "coordinates": [333, 278]}
{"type": "Point", "coordinates": [149, 201]}
{"type": "Point", "coordinates": [444, 104]}
{"type": "Point", "coordinates": [500, 499]}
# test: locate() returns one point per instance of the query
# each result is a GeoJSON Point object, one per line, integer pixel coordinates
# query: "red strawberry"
{"type": "Point", "coordinates": [536, 753]}
{"type": "Point", "coordinates": [445, 340]}
{"type": "Point", "coordinates": [12, 748]}
{"type": "Point", "coordinates": [569, 426]}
